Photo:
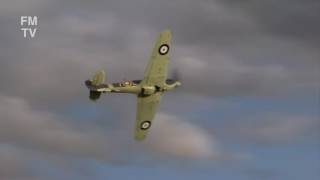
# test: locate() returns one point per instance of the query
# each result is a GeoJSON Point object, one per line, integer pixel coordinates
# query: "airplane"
{"type": "Point", "coordinates": [148, 90]}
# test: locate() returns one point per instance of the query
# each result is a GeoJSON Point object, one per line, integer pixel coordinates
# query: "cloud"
{"type": "Point", "coordinates": [171, 136]}
{"type": "Point", "coordinates": [289, 19]}
{"type": "Point", "coordinates": [273, 129]}
{"type": "Point", "coordinates": [35, 144]}
{"type": "Point", "coordinates": [45, 132]}
{"type": "Point", "coordinates": [234, 54]}
{"type": "Point", "coordinates": [12, 163]}
{"type": "Point", "coordinates": [19, 6]}
{"type": "Point", "coordinates": [221, 48]}
{"type": "Point", "coordinates": [28, 135]}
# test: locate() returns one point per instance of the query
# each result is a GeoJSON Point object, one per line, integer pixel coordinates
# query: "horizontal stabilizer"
{"type": "Point", "coordinates": [94, 95]}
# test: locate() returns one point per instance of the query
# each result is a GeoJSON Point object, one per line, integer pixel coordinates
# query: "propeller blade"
{"type": "Point", "coordinates": [176, 75]}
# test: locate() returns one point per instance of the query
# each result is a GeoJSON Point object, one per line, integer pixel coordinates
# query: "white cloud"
{"type": "Point", "coordinates": [273, 128]}
{"type": "Point", "coordinates": [45, 132]}
{"type": "Point", "coordinates": [171, 136]}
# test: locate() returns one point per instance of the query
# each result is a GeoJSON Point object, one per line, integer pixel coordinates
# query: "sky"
{"type": "Point", "coordinates": [248, 107]}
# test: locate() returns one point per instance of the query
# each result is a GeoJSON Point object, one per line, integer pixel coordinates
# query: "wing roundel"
{"type": "Point", "coordinates": [164, 49]}
{"type": "Point", "coordinates": [157, 68]}
{"type": "Point", "coordinates": [146, 109]}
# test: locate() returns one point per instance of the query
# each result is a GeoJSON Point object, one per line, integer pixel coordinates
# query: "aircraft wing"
{"type": "Point", "coordinates": [146, 109]}
{"type": "Point", "coordinates": [156, 70]}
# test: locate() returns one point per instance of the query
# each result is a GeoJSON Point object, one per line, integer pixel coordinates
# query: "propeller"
{"type": "Point", "coordinates": [176, 75]}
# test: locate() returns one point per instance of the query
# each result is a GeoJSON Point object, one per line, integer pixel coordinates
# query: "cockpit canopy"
{"type": "Point", "coordinates": [127, 83]}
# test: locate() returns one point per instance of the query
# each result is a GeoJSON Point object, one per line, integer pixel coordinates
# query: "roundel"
{"type": "Point", "coordinates": [164, 49]}
{"type": "Point", "coordinates": [145, 125]}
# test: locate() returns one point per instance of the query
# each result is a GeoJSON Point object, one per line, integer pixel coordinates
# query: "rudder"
{"type": "Point", "coordinates": [98, 78]}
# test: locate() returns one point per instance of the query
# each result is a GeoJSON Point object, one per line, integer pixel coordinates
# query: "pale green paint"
{"type": "Point", "coordinates": [148, 97]}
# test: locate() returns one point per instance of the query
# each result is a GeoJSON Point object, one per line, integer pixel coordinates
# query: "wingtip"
{"type": "Point", "coordinates": [166, 32]}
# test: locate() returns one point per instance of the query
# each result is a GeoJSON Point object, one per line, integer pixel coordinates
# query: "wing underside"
{"type": "Point", "coordinates": [156, 70]}
{"type": "Point", "coordinates": [154, 75]}
{"type": "Point", "coordinates": [146, 109]}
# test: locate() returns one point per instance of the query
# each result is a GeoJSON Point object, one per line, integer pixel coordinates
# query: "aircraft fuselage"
{"type": "Point", "coordinates": [131, 87]}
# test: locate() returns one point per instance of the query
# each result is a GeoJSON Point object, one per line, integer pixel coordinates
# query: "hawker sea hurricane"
{"type": "Point", "coordinates": [148, 90]}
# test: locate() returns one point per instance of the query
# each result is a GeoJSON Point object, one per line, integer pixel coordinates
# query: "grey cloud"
{"type": "Point", "coordinates": [12, 163]}
{"type": "Point", "coordinates": [286, 18]}
{"type": "Point", "coordinates": [238, 57]}
{"type": "Point", "coordinates": [44, 131]}
{"type": "Point", "coordinates": [28, 135]}
{"type": "Point", "coordinates": [12, 7]}
{"type": "Point", "coordinates": [247, 48]}
{"type": "Point", "coordinates": [272, 129]}
{"type": "Point", "coordinates": [220, 48]}
{"type": "Point", "coordinates": [24, 164]}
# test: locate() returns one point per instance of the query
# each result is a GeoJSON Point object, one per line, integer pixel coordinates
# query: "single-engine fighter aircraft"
{"type": "Point", "coordinates": [148, 90]}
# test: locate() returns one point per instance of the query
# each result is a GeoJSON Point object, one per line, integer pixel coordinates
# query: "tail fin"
{"type": "Point", "coordinates": [98, 78]}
